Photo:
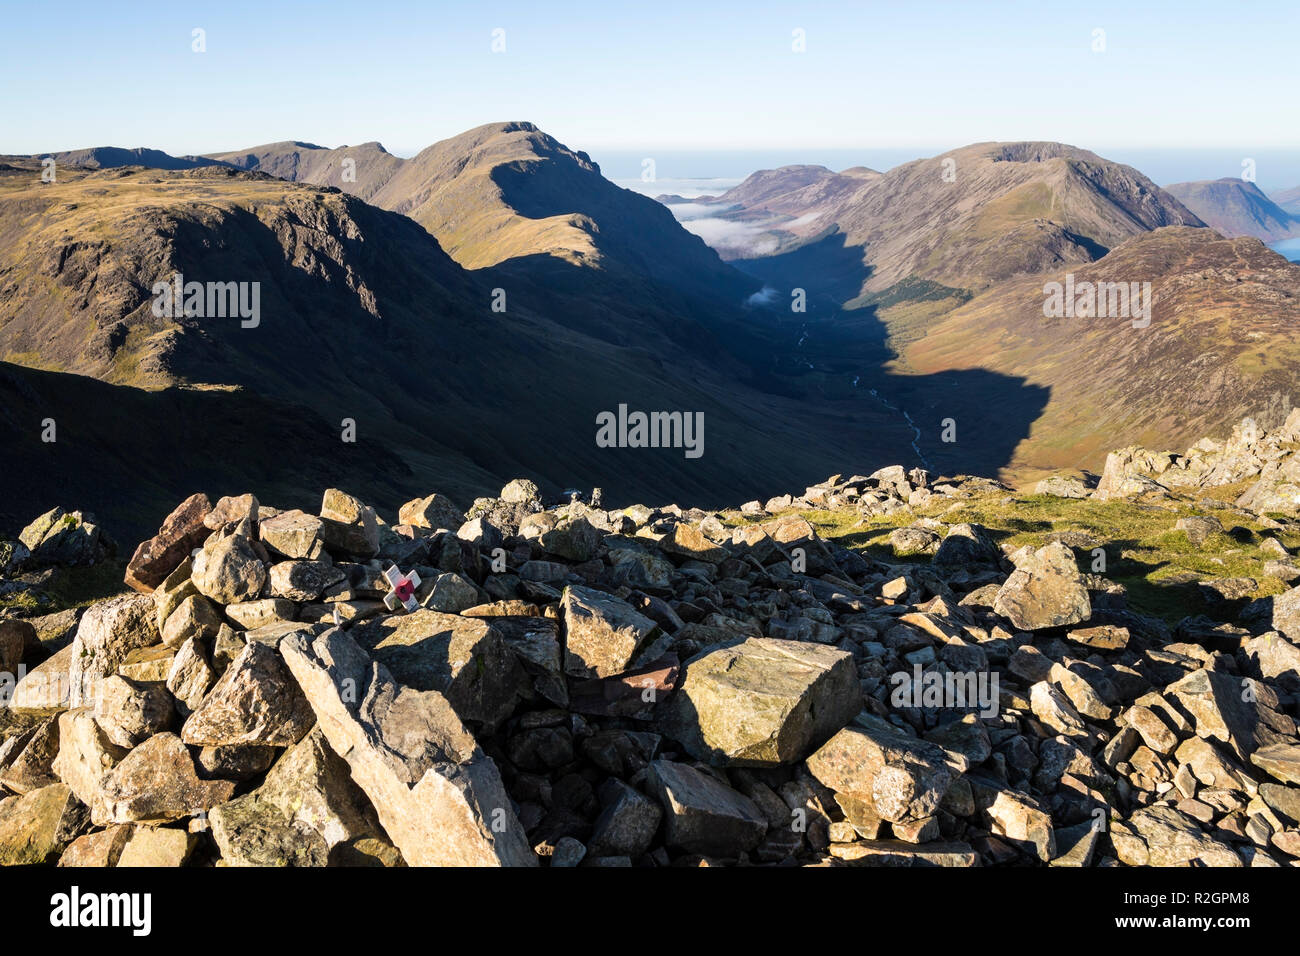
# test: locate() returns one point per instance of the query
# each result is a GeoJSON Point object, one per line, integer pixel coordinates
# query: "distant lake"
{"type": "Point", "coordinates": [1287, 247]}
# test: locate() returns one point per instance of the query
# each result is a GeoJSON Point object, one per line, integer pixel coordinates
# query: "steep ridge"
{"type": "Point", "coordinates": [507, 195]}
{"type": "Point", "coordinates": [1234, 207]}
{"type": "Point", "coordinates": [358, 170]}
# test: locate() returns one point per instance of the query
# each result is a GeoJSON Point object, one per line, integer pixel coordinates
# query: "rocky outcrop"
{"type": "Point", "coordinates": [657, 687]}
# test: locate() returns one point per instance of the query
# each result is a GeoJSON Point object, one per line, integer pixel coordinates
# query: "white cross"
{"type": "Point", "coordinates": [403, 589]}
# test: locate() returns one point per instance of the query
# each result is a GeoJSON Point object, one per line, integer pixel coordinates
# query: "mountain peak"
{"type": "Point", "coordinates": [1235, 207]}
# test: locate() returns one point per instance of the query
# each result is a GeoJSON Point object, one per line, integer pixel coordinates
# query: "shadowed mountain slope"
{"type": "Point", "coordinates": [1221, 344]}
{"type": "Point", "coordinates": [363, 317]}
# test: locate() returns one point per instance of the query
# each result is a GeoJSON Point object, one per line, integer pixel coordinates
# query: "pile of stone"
{"type": "Point", "coordinates": [642, 687]}
{"type": "Point", "coordinates": [1266, 461]}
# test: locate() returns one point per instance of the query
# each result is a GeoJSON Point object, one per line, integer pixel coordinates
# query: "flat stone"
{"type": "Point", "coordinates": [107, 633]}
{"type": "Point", "coordinates": [435, 511]}
{"type": "Point", "coordinates": [451, 594]}
{"type": "Point", "coordinates": [464, 658]}
{"type": "Point", "coordinates": [1016, 819]}
{"type": "Point", "coordinates": [103, 848]}
{"type": "Point", "coordinates": [603, 634]}
{"type": "Point", "coordinates": [86, 755]}
{"type": "Point", "coordinates": [232, 511]}
{"type": "Point", "coordinates": [249, 615]}
{"type": "Point", "coordinates": [347, 525]}
{"type": "Point", "coordinates": [688, 542]}
{"type": "Point", "coordinates": [294, 534]}
{"type": "Point", "coordinates": [237, 762]}
{"type": "Point", "coordinates": [1164, 836]}
{"type": "Point", "coordinates": [1285, 800]}
{"type": "Point", "coordinates": [307, 806]}
{"type": "Point", "coordinates": [1046, 590]}
{"type": "Point", "coordinates": [302, 580]}
{"type": "Point", "coordinates": [32, 767]}
{"type": "Point", "coordinates": [156, 847]}
{"type": "Point", "coordinates": [148, 664]}
{"type": "Point", "coordinates": [36, 827]}
{"type": "Point", "coordinates": [898, 853]}
{"type": "Point", "coordinates": [1280, 761]}
{"type": "Point", "coordinates": [190, 675]}
{"type": "Point", "coordinates": [1054, 709]}
{"type": "Point", "coordinates": [128, 711]}
{"type": "Point", "coordinates": [45, 688]}
{"type": "Point", "coordinates": [174, 589]}
{"type": "Point", "coordinates": [228, 569]}
{"type": "Point", "coordinates": [1077, 845]}
{"type": "Point", "coordinates": [1215, 700]}
{"type": "Point", "coordinates": [194, 617]}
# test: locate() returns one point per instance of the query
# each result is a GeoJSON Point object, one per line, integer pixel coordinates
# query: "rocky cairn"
{"type": "Point", "coordinates": [640, 687]}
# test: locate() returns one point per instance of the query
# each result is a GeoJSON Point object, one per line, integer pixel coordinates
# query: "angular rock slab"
{"type": "Point", "coordinates": [1281, 761]}
{"type": "Point", "coordinates": [157, 783]}
{"type": "Point", "coordinates": [464, 658]}
{"type": "Point", "coordinates": [44, 688]}
{"type": "Point", "coordinates": [86, 755]}
{"type": "Point", "coordinates": [603, 634]}
{"type": "Point", "coordinates": [181, 532]}
{"type": "Point", "coordinates": [307, 805]}
{"type": "Point", "coordinates": [228, 569]}
{"type": "Point", "coordinates": [892, 853]}
{"type": "Point", "coordinates": [904, 778]}
{"type": "Point", "coordinates": [1045, 590]}
{"type": "Point", "coordinates": [107, 633]}
{"type": "Point", "coordinates": [702, 815]}
{"type": "Point", "coordinates": [439, 798]}
{"type": "Point", "coordinates": [38, 826]}
{"type": "Point", "coordinates": [256, 701]}
{"type": "Point", "coordinates": [763, 702]}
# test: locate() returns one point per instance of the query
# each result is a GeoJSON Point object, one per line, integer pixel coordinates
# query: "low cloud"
{"type": "Point", "coordinates": [742, 239]}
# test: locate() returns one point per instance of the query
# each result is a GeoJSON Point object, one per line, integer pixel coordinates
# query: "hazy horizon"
{"type": "Point", "coordinates": [728, 76]}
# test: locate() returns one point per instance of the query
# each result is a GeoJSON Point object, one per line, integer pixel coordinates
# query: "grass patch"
{"type": "Point", "coordinates": [1158, 566]}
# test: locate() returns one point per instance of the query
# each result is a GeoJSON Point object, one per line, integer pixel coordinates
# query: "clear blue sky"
{"type": "Point", "coordinates": [610, 75]}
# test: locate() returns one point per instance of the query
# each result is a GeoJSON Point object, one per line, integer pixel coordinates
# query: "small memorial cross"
{"type": "Point", "coordinates": [403, 589]}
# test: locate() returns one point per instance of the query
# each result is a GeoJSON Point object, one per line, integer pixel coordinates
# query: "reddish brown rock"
{"type": "Point", "coordinates": [181, 533]}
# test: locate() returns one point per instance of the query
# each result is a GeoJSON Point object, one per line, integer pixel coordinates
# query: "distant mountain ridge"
{"type": "Point", "coordinates": [1288, 199]}
{"type": "Point", "coordinates": [113, 157]}
{"type": "Point", "coordinates": [1234, 207]}
{"type": "Point", "coordinates": [965, 219]}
